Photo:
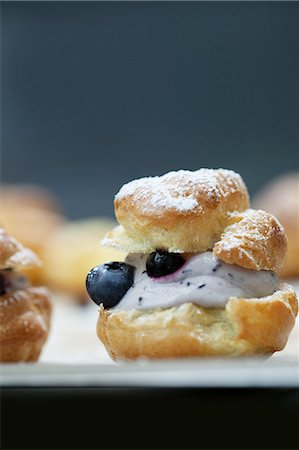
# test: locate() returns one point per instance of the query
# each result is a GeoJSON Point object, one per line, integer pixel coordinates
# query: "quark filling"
{"type": "Point", "coordinates": [203, 280]}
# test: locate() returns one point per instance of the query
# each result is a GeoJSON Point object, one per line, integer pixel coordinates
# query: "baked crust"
{"type": "Point", "coordinates": [244, 327]}
{"type": "Point", "coordinates": [281, 198]}
{"type": "Point", "coordinates": [253, 240]}
{"type": "Point", "coordinates": [24, 324]}
{"type": "Point", "coordinates": [8, 247]}
{"type": "Point", "coordinates": [180, 211]}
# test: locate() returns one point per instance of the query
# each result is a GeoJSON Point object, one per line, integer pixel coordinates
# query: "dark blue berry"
{"type": "Point", "coordinates": [108, 283]}
{"type": "Point", "coordinates": [161, 263]}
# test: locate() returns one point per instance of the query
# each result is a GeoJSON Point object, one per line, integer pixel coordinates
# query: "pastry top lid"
{"type": "Point", "coordinates": [181, 191]}
{"type": "Point", "coordinates": [190, 212]}
{"type": "Point", "coordinates": [13, 255]}
{"type": "Point", "coordinates": [183, 211]}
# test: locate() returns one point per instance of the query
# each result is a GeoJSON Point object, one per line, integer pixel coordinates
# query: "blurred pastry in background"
{"type": "Point", "coordinates": [31, 214]}
{"type": "Point", "coordinates": [281, 198]}
{"type": "Point", "coordinates": [71, 250]}
{"type": "Point", "coordinates": [25, 311]}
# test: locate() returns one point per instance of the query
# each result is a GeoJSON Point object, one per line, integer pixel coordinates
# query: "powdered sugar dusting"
{"type": "Point", "coordinates": [177, 190]}
{"type": "Point", "coordinates": [15, 255]}
{"type": "Point", "coordinates": [255, 240]}
{"type": "Point", "coordinates": [23, 258]}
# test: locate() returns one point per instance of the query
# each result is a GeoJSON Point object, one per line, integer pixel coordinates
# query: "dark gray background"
{"type": "Point", "coordinates": [95, 94]}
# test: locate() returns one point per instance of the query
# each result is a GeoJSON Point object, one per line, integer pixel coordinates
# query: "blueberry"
{"type": "Point", "coordinates": [160, 263]}
{"type": "Point", "coordinates": [108, 283]}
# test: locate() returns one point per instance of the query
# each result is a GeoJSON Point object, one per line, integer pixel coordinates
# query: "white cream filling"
{"type": "Point", "coordinates": [203, 280]}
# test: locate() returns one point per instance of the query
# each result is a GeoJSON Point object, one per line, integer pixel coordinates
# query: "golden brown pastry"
{"type": "Point", "coordinates": [254, 240]}
{"type": "Point", "coordinates": [281, 198]}
{"type": "Point", "coordinates": [180, 211]}
{"type": "Point", "coordinates": [244, 327]}
{"type": "Point", "coordinates": [200, 277]}
{"type": "Point", "coordinates": [70, 250]}
{"type": "Point", "coordinates": [25, 311]}
{"type": "Point", "coordinates": [31, 214]}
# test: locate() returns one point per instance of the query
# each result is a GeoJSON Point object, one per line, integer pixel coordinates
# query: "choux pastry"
{"type": "Point", "coordinates": [25, 311]}
{"type": "Point", "coordinates": [200, 277]}
{"type": "Point", "coordinates": [30, 214]}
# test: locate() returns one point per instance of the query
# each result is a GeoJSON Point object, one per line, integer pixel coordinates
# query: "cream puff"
{"type": "Point", "coordinates": [25, 311]}
{"type": "Point", "coordinates": [200, 277]}
{"type": "Point", "coordinates": [31, 214]}
{"type": "Point", "coordinates": [281, 198]}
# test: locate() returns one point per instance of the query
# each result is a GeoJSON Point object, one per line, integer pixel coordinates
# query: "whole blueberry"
{"type": "Point", "coordinates": [161, 263]}
{"type": "Point", "coordinates": [108, 283]}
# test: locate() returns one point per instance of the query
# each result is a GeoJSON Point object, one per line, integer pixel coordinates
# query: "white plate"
{"type": "Point", "coordinates": [245, 372]}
